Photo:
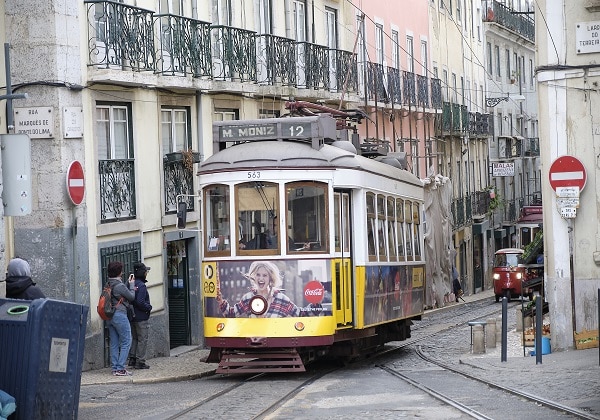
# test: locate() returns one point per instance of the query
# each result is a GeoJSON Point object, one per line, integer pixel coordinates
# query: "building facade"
{"type": "Point", "coordinates": [567, 76]}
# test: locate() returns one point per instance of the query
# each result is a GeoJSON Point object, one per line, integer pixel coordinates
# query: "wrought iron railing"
{"type": "Point", "coordinates": [409, 91]}
{"type": "Point", "coordinates": [436, 93]}
{"type": "Point", "coordinates": [394, 85]}
{"type": "Point", "coordinates": [376, 83]}
{"type": "Point", "coordinates": [233, 54]}
{"type": "Point", "coordinates": [458, 212]}
{"type": "Point", "coordinates": [533, 148]}
{"type": "Point", "coordinates": [183, 46]}
{"type": "Point", "coordinates": [422, 91]}
{"type": "Point", "coordinates": [117, 190]}
{"type": "Point", "coordinates": [178, 180]}
{"type": "Point", "coordinates": [120, 36]}
{"type": "Point", "coordinates": [276, 60]}
{"type": "Point", "coordinates": [346, 71]}
{"type": "Point", "coordinates": [480, 202]}
{"type": "Point", "coordinates": [505, 16]}
{"type": "Point", "coordinates": [313, 66]}
{"type": "Point", "coordinates": [456, 118]}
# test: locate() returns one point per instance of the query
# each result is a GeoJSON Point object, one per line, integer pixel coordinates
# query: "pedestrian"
{"type": "Point", "coordinates": [19, 284]}
{"type": "Point", "coordinates": [118, 326]}
{"type": "Point", "coordinates": [139, 323]}
{"type": "Point", "coordinates": [456, 287]}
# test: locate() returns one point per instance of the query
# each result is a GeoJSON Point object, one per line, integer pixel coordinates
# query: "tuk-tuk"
{"type": "Point", "coordinates": [514, 279]}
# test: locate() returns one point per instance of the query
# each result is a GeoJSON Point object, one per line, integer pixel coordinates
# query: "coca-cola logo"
{"type": "Point", "coordinates": [314, 292]}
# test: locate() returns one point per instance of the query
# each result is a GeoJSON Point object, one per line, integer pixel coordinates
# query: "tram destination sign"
{"type": "Point", "coordinates": [275, 129]}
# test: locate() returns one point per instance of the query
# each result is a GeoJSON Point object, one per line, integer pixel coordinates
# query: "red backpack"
{"type": "Point", "coordinates": [105, 308]}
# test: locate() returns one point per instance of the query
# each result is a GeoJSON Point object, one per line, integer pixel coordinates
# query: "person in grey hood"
{"type": "Point", "coordinates": [19, 284]}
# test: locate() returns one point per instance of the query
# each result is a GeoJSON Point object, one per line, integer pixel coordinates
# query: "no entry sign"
{"type": "Point", "coordinates": [75, 182]}
{"type": "Point", "coordinates": [567, 171]}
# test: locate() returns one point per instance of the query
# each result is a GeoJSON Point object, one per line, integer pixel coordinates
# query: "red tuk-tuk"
{"type": "Point", "coordinates": [514, 279]}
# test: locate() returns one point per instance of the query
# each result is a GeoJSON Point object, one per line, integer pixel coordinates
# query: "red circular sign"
{"type": "Point", "coordinates": [75, 182]}
{"type": "Point", "coordinates": [314, 292]}
{"type": "Point", "coordinates": [567, 171]}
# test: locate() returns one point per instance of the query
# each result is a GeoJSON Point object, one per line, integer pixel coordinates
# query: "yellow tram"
{"type": "Point", "coordinates": [309, 248]}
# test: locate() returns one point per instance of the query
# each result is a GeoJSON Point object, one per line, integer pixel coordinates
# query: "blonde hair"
{"type": "Point", "coordinates": [274, 274]}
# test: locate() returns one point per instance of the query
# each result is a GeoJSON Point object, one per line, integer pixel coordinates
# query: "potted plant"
{"type": "Point", "coordinates": [186, 157]}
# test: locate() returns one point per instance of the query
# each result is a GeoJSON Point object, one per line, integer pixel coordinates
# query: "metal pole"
{"type": "Point", "coordinates": [539, 304]}
{"type": "Point", "coordinates": [598, 323]}
{"type": "Point", "coordinates": [10, 125]}
{"type": "Point", "coordinates": [504, 329]}
{"type": "Point", "coordinates": [572, 276]}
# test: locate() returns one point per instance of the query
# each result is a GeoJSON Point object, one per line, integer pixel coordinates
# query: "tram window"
{"type": "Point", "coordinates": [341, 214]}
{"type": "Point", "coordinates": [307, 216]}
{"type": "Point", "coordinates": [416, 231]}
{"type": "Point", "coordinates": [216, 202]}
{"type": "Point", "coordinates": [381, 228]}
{"type": "Point", "coordinates": [408, 229]}
{"type": "Point", "coordinates": [257, 210]}
{"type": "Point", "coordinates": [391, 225]}
{"type": "Point", "coordinates": [400, 228]}
{"type": "Point", "coordinates": [371, 226]}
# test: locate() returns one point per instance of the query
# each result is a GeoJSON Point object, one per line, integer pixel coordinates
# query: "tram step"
{"type": "Point", "coordinates": [235, 361]}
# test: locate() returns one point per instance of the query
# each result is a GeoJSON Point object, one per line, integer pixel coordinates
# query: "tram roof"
{"type": "Point", "coordinates": [278, 154]}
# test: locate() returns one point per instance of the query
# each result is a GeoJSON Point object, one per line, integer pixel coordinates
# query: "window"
{"type": "Point", "coordinates": [379, 43]}
{"type": "Point", "coordinates": [391, 229]}
{"type": "Point", "coordinates": [114, 131]}
{"type": "Point", "coordinates": [306, 219]}
{"type": "Point", "coordinates": [408, 219]}
{"type": "Point", "coordinates": [371, 226]}
{"type": "Point", "coordinates": [128, 254]}
{"type": "Point", "coordinates": [490, 67]}
{"type": "Point", "coordinates": [222, 12]}
{"type": "Point", "coordinates": [174, 7]}
{"type": "Point", "coordinates": [400, 229]}
{"type": "Point", "coordinates": [264, 17]}
{"type": "Point", "coordinates": [395, 49]}
{"type": "Point", "coordinates": [424, 59]}
{"type": "Point", "coordinates": [497, 55]}
{"type": "Point", "coordinates": [454, 88]}
{"type": "Point", "coordinates": [299, 20]}
{"type": "Point", "coordinates": [257, 206]}
{"type": "Point", "coordinates": [115, 162]}
{"type": "Point", "coordinates": [416, 222]}
{"type": "Point", "coordinates": [531, 70]}
{"type": "Point", "coordinates": [268, 113]}
{"type": "Point", "coordinates": [446, 85]}
{"type": "Point", "coordinates": [381, 228]}
{"type": "Point", "coordinates": [410, 54]}
{"type": "Point", "coordinates": [508, 68]}
{"type": "Point", "coordinates": [175, 129]}
{"type": "Point", "coordinates": [342, 225]}
{"type": "Point", "coordinates": [331, 25]}
{"type": "Point", "coordinates": [216, 211]}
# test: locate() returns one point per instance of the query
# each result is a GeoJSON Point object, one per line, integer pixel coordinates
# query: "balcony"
{"type": "Point", "coordinates": [120, 36]}
{"type": "Point", "coordinates": [233, 54]}
{"type": "Point", "coordinates": [409, 91]}
{"type": "Point", "coordinates": [533, 147]}
{"type": "Point", "coordinates": [276, 60]}
{"type": "Point", "coordinates": [458, 212]}
{"type": "Point", "coordinates": [184, 46]}
{"type": "Point", "coordinates": [117, 190]}
{"type": "Point", "coordinates": [179, 179]}
{"type": "Point", "coordinates": [480, 202]}
{"type": "Point", "coordinates": [504, 16]}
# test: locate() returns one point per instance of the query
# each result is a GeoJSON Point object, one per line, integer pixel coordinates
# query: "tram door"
{"type": "Point", "coordinates": [342, 269]}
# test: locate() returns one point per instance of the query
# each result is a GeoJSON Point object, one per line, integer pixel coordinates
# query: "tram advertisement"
{"type": "Point", "coordinates": [267, 289]}
{"type": "Point", "coordinates": [393, 292]}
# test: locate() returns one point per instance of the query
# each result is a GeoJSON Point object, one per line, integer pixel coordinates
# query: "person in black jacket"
{"type": "Point", "coordinates": [139, 323]}
{"type": "Point", "coordinates": [18, 281]}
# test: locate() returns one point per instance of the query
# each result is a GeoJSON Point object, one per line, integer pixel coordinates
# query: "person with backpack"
{"type": "Point", "coordinates": [139, 322]}
{"type": "Point", "coordinates": [19, 284]}
{"type": "Point", "coordinates": [118, 325]}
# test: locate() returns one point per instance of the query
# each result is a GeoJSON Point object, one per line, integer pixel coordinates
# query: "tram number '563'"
{"type": "Point", "coordinates": [209, 280]}
{"type": "Point", "coordinates": [253, 174]}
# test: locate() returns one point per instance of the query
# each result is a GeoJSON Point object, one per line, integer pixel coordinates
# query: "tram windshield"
{"type": "Point", "coordinates": [257, 211]}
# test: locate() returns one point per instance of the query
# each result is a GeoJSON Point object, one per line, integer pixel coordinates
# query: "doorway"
{"type": "Point", "coordinates": [178, 293]}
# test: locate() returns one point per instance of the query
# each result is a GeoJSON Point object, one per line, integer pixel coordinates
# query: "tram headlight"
{"type": "Point", "coordinates": [258, 305]}
{"type": "Point", "coordinates": [220, 326]}
{"type": "Point", "coordinates": [299, 326]}
{"type": "Point", "coordinates": [496, 276]}
{"type": "Point", "coordinates": [519, 276]}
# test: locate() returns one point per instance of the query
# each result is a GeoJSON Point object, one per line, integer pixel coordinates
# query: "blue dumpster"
{"type": "Point", "coordinates": [41, 355]}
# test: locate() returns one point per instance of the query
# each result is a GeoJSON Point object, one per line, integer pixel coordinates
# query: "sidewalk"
{"type": "Point", "coordinates": [187, 362]}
